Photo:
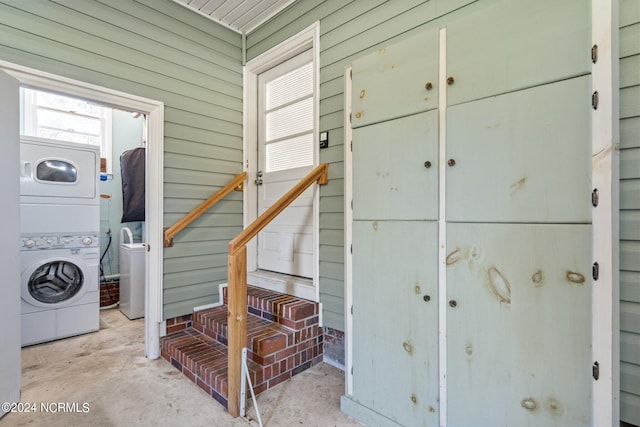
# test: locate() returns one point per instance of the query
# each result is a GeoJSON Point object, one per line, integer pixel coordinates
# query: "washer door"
{"type": "Point", "coordinates": [53, 282]}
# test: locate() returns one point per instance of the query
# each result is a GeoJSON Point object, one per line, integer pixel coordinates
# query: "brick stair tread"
{"type": "Point", "coordinates": [286, 309]}
{"type": "Point", "coordinates": [203, 360]}
{"type": "Point", "coordinates": [264, 337]}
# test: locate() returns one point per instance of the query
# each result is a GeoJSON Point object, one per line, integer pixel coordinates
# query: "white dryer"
{"type": "Point", "coordinates": [59, 286]}
{"type": "Point", "coordinates": [58, 172]}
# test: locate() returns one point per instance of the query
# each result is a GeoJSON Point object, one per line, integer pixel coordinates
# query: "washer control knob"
{"type": "Point", "coordinates": [66, 240]}
{"type": "Point", "coordinates": [49, 241]}
{"type": "Point", "coordinates": [87, 240]}
{"type": "Point", "coordinates": [29, 243]}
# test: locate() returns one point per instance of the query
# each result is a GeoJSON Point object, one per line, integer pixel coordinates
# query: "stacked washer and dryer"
{"type": "Point", "coordinates": [60, 227]}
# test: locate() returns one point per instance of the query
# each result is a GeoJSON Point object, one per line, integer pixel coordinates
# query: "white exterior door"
{"type": "Point", "coordinates": [285, 155]}
{"type": "Point", "coordinates": [9, 250]}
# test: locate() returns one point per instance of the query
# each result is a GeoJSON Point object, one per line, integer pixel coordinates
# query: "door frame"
{"type": "Point", "coordinates": [308, 38]}
{"type": "Point", "coordinates": [154, 171]}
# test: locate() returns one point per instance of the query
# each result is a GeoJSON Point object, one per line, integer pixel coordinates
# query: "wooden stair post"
{"type": "Point", "coordinates": [237, 326]}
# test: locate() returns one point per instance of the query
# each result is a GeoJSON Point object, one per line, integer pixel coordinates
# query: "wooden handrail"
{"type": "Point", "coordinates": [237, 283]}
{"type": "Point", "coordinates": [235, 184]}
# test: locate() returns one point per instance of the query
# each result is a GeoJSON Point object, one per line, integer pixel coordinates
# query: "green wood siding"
{"type": "Point", "coordinates": [630, 211]}
{"type": "Point", "coordinates": [160, 50]}
{"type": "Point", "coordinates": [348, 30]}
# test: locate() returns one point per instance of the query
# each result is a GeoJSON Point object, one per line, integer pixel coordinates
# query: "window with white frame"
{"type": "Point", "coordinates": [52, 116]}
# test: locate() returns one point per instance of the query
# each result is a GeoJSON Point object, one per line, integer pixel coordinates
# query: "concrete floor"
{"type": "Point", "coordinates": [107, 377]}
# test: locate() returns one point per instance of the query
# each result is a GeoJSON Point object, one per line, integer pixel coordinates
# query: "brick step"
{"type": "Point", "coordinates": [276, 352]}
{"type": "Point", "coordinates": [204, 361]}
{"type": "Point", "coordinates": [266, 341]}
{"type": "Point", "coordinates": [287, 310]}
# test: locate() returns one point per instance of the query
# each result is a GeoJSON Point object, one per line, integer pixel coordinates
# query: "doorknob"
{"type": "Point", "coordinates": [258, 180]}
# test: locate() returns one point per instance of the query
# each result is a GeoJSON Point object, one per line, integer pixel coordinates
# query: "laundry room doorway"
{"type": "Point", "coordinates": [153, 111]}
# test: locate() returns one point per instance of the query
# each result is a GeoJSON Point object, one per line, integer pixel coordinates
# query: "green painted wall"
{"type": "Point", "coordinates": [348, 30]}
{"type": "Point", "coordinates": [630, 211]}
{"type": "Point", "coordinates": [159, 50]}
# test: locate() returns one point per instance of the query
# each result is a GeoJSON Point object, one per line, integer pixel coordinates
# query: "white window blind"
{"type": "Point", "coordinates": [288, 118]}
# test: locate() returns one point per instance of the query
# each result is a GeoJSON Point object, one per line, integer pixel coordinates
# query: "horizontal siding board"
{"type": "Point", "coordinates": [630, 194]}
{"type": "Point", "coordinates": [332, 87]}
{"type": "Point", "coordinates": [332, 237]}
{"type": "Point", "coordinates": [630, 317]}
{"type": "Point", "coordinates": [331, 221]}
{"type": "Point", "coordinates": [630, 378]}
{"type": "Point", "coordinates": [177, 146]}
{"type": "Point", "coordinates": [193, 277]}
{"type": "Point", "coordinates": [369, 22]}
{"type": "Point", "coordinates": [630, 225]}
{"type": "Point", "coordinates": [87, 18]}
{"type": "Point", "coordinates": [207, 234]}
{"type": "Point", "coordinates": [198, 119]}
{"type": "Point", "coordinates": [331, 254]}
{"type": "Point", "coordinates": [629, 11]}
{"type": "Point", "coordinates": [209, 220]}
{"type": "Point", "coordinates": [197, 249]}
{"type": "Point", "coordinates": [16, 39]}
{"type": "Point", "coordinates": [629, 163]}
{"type": "Point", "coordinates": [184, 161]}
{"type": "Point", "coordinates": [333, 320]}
{"type": "Point", "coordinates": [334, 204]}
{"type": "Point", "coordinates": [185, 176]}
{"type": "Point", "coordinates": [630, 347]}
{"type": "Point", "coordinates": [347, 15]}
{"type": "Point", "coordinates": [172, 11]}
{"type": "Point", "coordinates": [287, 23]}
{"type": "Point", "coordinates": [630, 102]}
{"type": "Point", "coordinates": [200, 193]}
{"type": "Point", "coordinates": [629, 40]}
{"type": "Point", "coordinates": [183, 307]}
{"type": "Point", "coordinates": [630, 255]}
{"type": "Point", "coordinates": [630, 286]}
{"type": "Point", "coordinates": [179, 131]}
{"type": "Point", "coordinates": [630, 71]}
{"type": "Point", "coordinates": [331, 270]}
{"type": "Point", "coordinates": [332, 287]}
{"type": "Point", "coordinates": [630, 408]}
{"type": "Point", "coordinates": [630, 132]}
{"type": "Point", "coordinates": [176, 265]}
{"type": "Point", "coordinates": [175, 205]}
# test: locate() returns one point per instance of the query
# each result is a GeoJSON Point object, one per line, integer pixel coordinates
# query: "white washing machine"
{"type": "Point", "coordinates": [59, 286]}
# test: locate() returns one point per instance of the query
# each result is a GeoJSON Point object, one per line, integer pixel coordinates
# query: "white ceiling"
{"type": "Point", "coordinates": [239, 15]}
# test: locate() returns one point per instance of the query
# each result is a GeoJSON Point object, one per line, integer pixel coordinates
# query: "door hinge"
{"type": "Point", "coordinates": [351, 248]}
{"type": "Point", "coordinates": [595, 371]}
{"type": "Point", "coordinates": [351, 145]}
{"type": "Point", "coordinates": [594, 53]}
{"type": "Point", "coordinates": [351, 73]}
{"type": "Point", "coordinates": [350, 116]}
{"type": "Point", "coordinates": [352, 310]}
{"type": "Point", "coordinates": [351, 204]}
{"type": "Point", "coordinates": [595, 271]}
{"type": "Point", "coordinates": [595, 98]}
{"type": "Point", "coordinates": [594, 198]}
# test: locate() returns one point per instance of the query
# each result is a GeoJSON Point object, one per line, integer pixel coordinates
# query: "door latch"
{"type": "Point", "coordinates": [258, 180]}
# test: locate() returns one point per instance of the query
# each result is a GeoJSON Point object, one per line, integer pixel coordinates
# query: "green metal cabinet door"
{"type": "Point", "coordinates": [395, 320]}
{"type": "Point", "coordinates": [519, 325]}
{"type": "Point", "coordinates": [516, 44]}
{"type": "Point", "coordinates": [396, 169]}
{"type": "Point", "coordinates": [522, 157]}
{"type": "Point", "coordinates": [396, 81]}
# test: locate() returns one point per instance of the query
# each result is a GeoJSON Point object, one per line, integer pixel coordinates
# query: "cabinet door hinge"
{"type": "Point", "coordinates": [594, 53]}
{"type": "Point", "coordinates": [595, 371]}
{"type": "Point", "coordinates": [595, 98]}
{"type": "Point", "coordinates": [595, 271]}
{"type": "Point", "coordinates": [594, 198]}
